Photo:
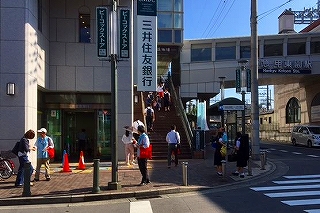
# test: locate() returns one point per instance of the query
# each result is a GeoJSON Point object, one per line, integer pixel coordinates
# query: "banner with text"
{"type": "Point", "coordinates": [124, 33]}
{"type": "Point", "coordinates": [146, 28]}
{"type": "Point", "coordinates": [102, 32]}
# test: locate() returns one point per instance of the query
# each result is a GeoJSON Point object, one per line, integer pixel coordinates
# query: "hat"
{"type": "Point", "coordinates": [42, 130]}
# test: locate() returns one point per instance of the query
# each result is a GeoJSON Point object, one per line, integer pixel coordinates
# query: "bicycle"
{"type": "Point", "coordinates": [6, 167]}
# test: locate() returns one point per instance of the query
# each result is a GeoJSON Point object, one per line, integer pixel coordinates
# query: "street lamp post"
{"type": "Point", "coordinates": [243, 70]}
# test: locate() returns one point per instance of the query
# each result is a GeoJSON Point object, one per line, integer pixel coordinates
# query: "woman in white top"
{"type": "Point", "coordinates": [128, 141]}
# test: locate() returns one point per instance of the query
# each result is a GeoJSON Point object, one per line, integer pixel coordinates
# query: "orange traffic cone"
{"type": "Point", "coordinates": [81, 164]}
{"type": "Point", "coordinates": [66, 166]}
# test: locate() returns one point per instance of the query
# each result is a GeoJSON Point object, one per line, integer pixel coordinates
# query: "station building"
{"type": "Point", "coordinates": [290, 61]}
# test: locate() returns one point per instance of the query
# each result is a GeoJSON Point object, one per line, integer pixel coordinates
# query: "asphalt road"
{"type": "Point", "coordinates": [293, 187]}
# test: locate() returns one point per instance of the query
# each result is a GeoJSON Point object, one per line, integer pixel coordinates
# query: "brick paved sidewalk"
{"type": "Point", "coordinates": [201, 174]}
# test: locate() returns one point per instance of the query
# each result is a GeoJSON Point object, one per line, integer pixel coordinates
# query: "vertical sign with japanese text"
{"type": "Point", "coordinates": [124, 33]}
{"type": "Point", "coordinates": [102, 31]}
{"type": "Point", "coordinates": [146, 45]}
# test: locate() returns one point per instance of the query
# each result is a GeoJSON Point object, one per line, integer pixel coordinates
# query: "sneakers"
{"type": "Point", "coordinates": [48, 179]}
{"type": "Point", "coordinates": [242, 175]}
{"type": "Point", "coordinates": [142, 184]}
{"type": "Point", "coordinates": [219, 174]}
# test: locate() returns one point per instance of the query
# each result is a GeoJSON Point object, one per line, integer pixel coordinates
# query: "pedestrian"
{"type": "Point", "coordinates": [217, 154]}
{"type": "Point", "coordinates": [150, 117]}
{"type": "Point", "coordinates": [224, 136]}
{"type": "Point", "coordinates": [128, 141]}
{"type": "Point", "coordinates": [241, 149]}
{"type": "Point", "coordinates": [24, 150]}
{"type": "Point", "coordinates": [142, 162]}
{"type": "Point", "coordinates": [150, 98]}
{"type": "Point", "coordinates": [160, 90]}
{"type": "Point", "coordinates": [166, 100]}
{"type": "Point", "coordinates": [82, 140]}
{"type": "Point", "coordinates": [135, 125]}
{"type": "Point", "coordinates": [42, 144]}
{"type": "Point", "coordinates": [173, 140]}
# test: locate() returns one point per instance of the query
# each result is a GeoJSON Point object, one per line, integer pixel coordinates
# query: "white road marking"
{"type": "Point", "coordinates": [302, 202]}
{"type": "Point", "coordinates": [293, 194]}
{"type": "Point", "coordinates": [283, 150]}
{"type": "Point", "coordinates": [301, 176]}
{"type": "Point", "coordinates": [269, 188]}
{"type": "Point", "coordinates": [313, 156]}
{"type": "Point", "coordinates": [297, 153]}
{"type": "Point", "coordinates": [140, 206]}
{"type": "Point", "coordinates": [297, 181]}
{"type": "Point", "coordinates": [312, 211]}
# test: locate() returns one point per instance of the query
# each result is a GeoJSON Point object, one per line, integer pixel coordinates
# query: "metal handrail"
{"type": "Point", "coordinates": [179, 106]}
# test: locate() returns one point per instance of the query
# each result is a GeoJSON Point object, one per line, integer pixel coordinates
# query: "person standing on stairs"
{"type": "Point", "coordinates": [166, 100]}
{"type": "Point", "coordinates": [150, 117]}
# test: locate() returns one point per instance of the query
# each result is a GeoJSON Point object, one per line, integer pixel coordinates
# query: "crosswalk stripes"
{"type": "Point", "coordinates": [140, 206]}
{"type": "Point", "coordinates": [297, 190]}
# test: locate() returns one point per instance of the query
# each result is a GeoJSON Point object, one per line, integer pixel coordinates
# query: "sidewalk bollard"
{"type": "Point", "coordinates": [185, 173]}
{"type": "Point", "coordinates": [249, 166]}
{"type": "Point", "coordinates": [96, 165]}
{"type": "Point", "coordinates": [263, 159]}
{"type": "Point", "coordinates": [26, 182]}
{"type": "Point", "coordinates": [224, 172]}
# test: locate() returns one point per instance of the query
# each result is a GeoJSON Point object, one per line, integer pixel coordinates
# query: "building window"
{"type": "Point", "coordinates": [178, 5]}
{"type": "Point", "coordinates": [164, 36]}
{"type": "Point", "coordinates": [178, 20]}
{"type": "Point", "coordinates": [273, 48]}
{"type": "Point", "coordinates": [261, 120]}
{"type": "Point", "coordinates": [201, 52]}
{"type": "Point", "coordinates": [165, 20]}
{"type": "Point", "coordinates": [225, 52]}
{"type": "Point", "coordinates": [165, 5]}
{"type": "Point", "coordinates": [245, 52]}
{"type": "Point", "coordinates": [314, 47]}
{"type": "Point", "coordinates": [40, 15]}
{"type": "Point", "coordinates": [293, 111]}
{"type": "Point", "coordinates": [178, 36]}
{"type": "Point", "coordinates": [269, 120]}
{"type": "Point", "coordinates": [84, 28]}
{"type": "Point", "coordinates": [296, 48]}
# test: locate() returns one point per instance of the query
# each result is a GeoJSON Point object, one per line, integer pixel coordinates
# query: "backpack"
{"type": "Point", "coordinates": [149, 113]}
{"type": "Point", "coordinates": [16, 148]}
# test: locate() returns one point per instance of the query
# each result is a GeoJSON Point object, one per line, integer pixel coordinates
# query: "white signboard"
{"type": "Point", "coordinates": [232, 107]}
{"type": "Point", "coordinates": [146, 45]}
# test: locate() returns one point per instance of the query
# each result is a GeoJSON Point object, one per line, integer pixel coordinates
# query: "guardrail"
{"type": "Point", "coordinates": [179, 106]}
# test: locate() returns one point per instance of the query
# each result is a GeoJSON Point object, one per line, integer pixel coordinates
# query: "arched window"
{"type": "Point", "coordinates": [293, 111]}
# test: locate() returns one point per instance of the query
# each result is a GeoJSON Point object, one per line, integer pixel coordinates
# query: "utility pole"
{"type": "Point", "coordinates": [255, 140]}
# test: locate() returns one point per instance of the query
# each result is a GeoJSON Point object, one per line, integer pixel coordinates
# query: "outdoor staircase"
{"type": "Point", "coordinates": [161, 127]}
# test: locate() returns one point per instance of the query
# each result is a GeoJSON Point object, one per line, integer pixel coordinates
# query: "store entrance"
{"type": "Point", "coordinates": [79, 125]}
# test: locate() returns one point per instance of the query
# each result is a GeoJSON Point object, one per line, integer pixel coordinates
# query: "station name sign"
{"type": "Point", "coordinates": [285, 66]}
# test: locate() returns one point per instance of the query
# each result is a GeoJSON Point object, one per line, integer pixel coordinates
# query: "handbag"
{"type": "Point", "coordinates": [51, 152]}
{"type": "Point", "coordinates": [146, 152]}
{"type": "Point", "coordinates": [223, 150]}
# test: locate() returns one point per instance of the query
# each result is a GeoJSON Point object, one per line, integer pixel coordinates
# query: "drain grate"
{"type": "Point", "coordinates": [148, 197]}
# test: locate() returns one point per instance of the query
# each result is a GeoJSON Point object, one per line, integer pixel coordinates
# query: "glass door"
{"type": "Point", "coordinates": [103, 146]}
{"type": "Point", "coordinates": [70, 145]}
{"type": "Point", "coordinates": [54, 130]}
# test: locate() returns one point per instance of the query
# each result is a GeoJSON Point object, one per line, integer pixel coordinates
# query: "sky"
{"type": "Point", "coordinates": [231, 18]}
